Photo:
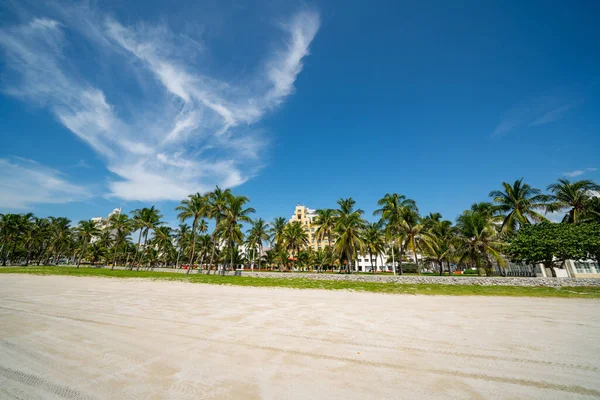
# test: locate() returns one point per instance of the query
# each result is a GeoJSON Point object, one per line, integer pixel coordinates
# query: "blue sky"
{"type": "Point", "coordinates": [107, 104]}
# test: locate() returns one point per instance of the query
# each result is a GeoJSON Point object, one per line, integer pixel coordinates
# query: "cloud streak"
{"type": "Point", "coordinates": [26, 183]}
{"type": "Point", "coordinates": [192, 131]}
{"type": "Point", "coordinates": [539, 110]}
{"type": "Point", "coordinates": [578, 172]}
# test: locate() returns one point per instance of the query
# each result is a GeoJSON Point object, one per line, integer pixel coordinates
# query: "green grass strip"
{"type": "Point", "coordinates": [302, 283]}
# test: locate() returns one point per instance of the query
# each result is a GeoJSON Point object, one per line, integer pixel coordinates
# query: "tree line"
{"type": "Point", "coordinates": [482, 237]}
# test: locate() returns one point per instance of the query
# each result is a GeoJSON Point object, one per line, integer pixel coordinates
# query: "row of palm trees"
{"type": "Point", "coordinates": [401, 233]}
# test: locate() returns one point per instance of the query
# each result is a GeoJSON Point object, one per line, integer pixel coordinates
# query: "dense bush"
{"type": "Point", "coordinates": [409, 268]}
{"type": "Point", "coordinates": [551, 243]}
{"type": "Point", "coordinates": [470, 272]}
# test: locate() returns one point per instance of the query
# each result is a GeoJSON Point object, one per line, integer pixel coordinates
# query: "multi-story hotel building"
{"type": "Point", "coordinates": [305, 217]}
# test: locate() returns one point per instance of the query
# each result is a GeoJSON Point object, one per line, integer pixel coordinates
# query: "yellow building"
{"type": "Point", "coordinates": [305, 216]}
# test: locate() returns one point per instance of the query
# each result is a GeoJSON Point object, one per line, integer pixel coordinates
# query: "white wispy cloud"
{"type": "Point", "coordinates": [538, 111]}
{"type": "Point", "coordinates": [551, 116]}
{"type": "Point", "coordinates": [194, 129]}
{"type": "Point", "coordinates": [25, 183]}
{"type": "Point", "coordinates": [579, 172]}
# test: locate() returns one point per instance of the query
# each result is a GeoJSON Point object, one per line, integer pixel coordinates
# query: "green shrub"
{"type": "Point", "coordinates": [409, 268]}
{"type": "Point", "coordinates": [470, 272]}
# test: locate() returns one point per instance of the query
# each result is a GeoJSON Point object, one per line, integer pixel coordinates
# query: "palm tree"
{"type": "Point", "coordinates": [182, 237]}
{"type": "Point", "coordinates": [258, 234]}
{"type": "Point", "coordinates": [144, 219]}
{"type": "Point", "coordinates": [195, 207]}
{"type": "Point", "coordinates": [592, 213]}
{"type": "Point", "coordinates": [234, 213]}
{"type": "Point", "coordinates": [277, 227]}
{"type": "Point", "coordinates": [374, 241]}
{"type": "Point", "coordinates": [86, 230]}
{"type": "Point", "coordinates": [411, 226]}
{"type": "Point", "coordinates": [60, 235]}
{"type": "Point", "coordinates": [325, 223]}
{"type": "Point", "coordinates": [575, 196]}
{"type": "Point", "coordinates": [217, 202]}
{"type": "Point", "coordinates": [34, 236]}
{"type": "Point", "coordinates": [162, 241]}
{"type": "Point", "coordinates": [349, 225]}
{"type": "Point", "coordinates": [437, 249]}
{"type": "Point", "coordinates": [322, 257]}
{"type": "Point", "coordinates": [120, 225]}
{"type": "Point", "coordinates": [294, 238]}
{"type": "Point", "coordinates": [437, 240]}
{"type": "Point", "coordinates": [478, 240]}
{"type": "Point", "coordinates": [95, 252]}
{"type": "Point", "coordinates": [7, 228]}
{"type": "Point", "coordinates": [270, 258]}
{"type": "Point", "coordinates": [204, 248]}
{"type": "Point", "coordinates": [11, 227]}
{"type": "Point", "coordinates": [392, 206]}
{"type": "Point", "coordinates": [518, 203]}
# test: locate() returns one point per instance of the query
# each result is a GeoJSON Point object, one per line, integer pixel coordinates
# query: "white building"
{"type": "Point", "coordinates": [102, 223]}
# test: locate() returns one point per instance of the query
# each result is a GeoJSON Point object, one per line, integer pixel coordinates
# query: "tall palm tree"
{"type": "Point", "coordinates": [144, 219]}
{"type": "Point", "coordinates": [277, 227]}
{"type": "Point", "coordinates": [325, 223]}
{"type": "Point", "coordinates": [518, 203]}
{"type": "Point", "coordinates": [205, 245]}
{"type": "Point", "coordinates": [411, 225]}
{"type": "Point", "coordinates": [479, 243]}
{"type": "Point", "coordinates": [258, 234]}
{"type": "Point", "coordinates": [437, 249]}
{"type": "Point", "coordinates": [8, 225]}
{"type": "Point", "coordinates": [392, 206]}
{"type": "Point", "coordinates": [575, 196]}
{"type": "Point", "coordinates": [294, 238]}
{"type": "Point", "coordinates": [195, 207]}
{"type": "Point", "coordinates": [234, 213]}
{"type": "Point", "coordinates": [162, 241]}
{"type": "Point", "coordinates": [437, 240]}
{"type": "Point", "coordinates": [374, 241]}
{"type": "Point", "coordinates": [217, 202]}
{"type": "Point", "coordinates": [348, 228]}
{"type": "Point", "coordinates": [60, 235]}
{"type": "Point", "coordinates": [34, 236]}
{"type": "Point", "coordinates": [182, 237]}
{"type": "Point", "coordinates": [86, 230]}
{"type": "Point", "coordinates": [120, 225]}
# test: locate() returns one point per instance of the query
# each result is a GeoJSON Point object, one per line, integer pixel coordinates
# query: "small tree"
{"type": "Point", "coordinates": [552, 244]}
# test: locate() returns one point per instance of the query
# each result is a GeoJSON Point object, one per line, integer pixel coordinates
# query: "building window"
{"type": "Point", "coordinates": [299, 216]}
{"type": "Point", "coordinates": [583, 267]}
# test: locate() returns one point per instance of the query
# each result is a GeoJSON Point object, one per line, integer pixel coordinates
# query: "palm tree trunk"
{"type": "Point", "coordinates": [142, 255]}
{"type": "Point", "coordinates": [137, 249]}
{"type": "Point", "coordinates": [193, 246]}
{"type": "Point", "coordinates": [371, 258]}
{"type": "Point", "coordinates": [414, 246]}
{"type": "Point", "coordinates": [82, 252]}
{"type": "Point", "coordinates": [116, 246]}
{"type": "Point", "coordinates": [441, 267]}
{"type": "Point", "coordinates": [259, 254]}
{"type": "Point", "coordinates": [400, 256]}
{"type": "Point", "coordinates": [28, 257]}
{"type": "Point", "coordinates": [393, 261]}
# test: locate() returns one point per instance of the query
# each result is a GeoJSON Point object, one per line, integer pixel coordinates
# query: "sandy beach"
{"type": "Point", "coordinates": [80, 338]}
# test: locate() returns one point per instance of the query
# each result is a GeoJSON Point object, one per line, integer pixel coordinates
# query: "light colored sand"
{"type": "Point", "coordinates": [63, 337]}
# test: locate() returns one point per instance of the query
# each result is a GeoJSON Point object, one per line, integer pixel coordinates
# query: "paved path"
{"type": "Point", "coordinates": [78, 338]}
